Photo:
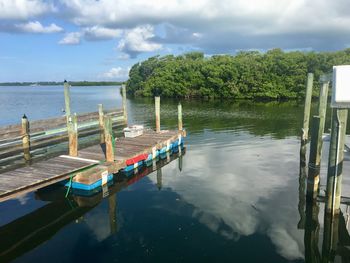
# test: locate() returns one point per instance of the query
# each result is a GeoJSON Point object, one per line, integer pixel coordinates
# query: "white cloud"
{"type": "Point", "coordinates": [236, 24]}
{"type": "Point", "coordinates": [72, 38]}
{"type": "Point", "coordinates": [208, 25]}
{"type": "Point", "coordinates": [118, 73]}
{"type": "Point", "coordinates": [23, 9]}
{"type": "Point", "coordinates": [259, 16]}
{"type": "Point", "coordinates": [37, 27]}
{"type": "Point", "coordinates": [138, 40]}
{"type": "Point", "coordinates": [101, 33]}
{"type": "Point", "coordinates": [91, 34]}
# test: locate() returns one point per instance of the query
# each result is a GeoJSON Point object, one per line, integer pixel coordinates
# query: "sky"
{"type": "Point", "coordinates": [53, 40]}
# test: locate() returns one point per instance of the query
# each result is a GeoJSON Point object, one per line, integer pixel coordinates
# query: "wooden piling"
{"type": "Point", "coordinates": [25, 138]}
{"type": "Point", "coordinates": [157, 109]}
{"type": "Point", "coordinates": [73, 135]}
{"type": "Point", "coordinates": [316, 143]}
{"type": "Point", "coordinates": [322, 104]}
{"type": "Point", "coordinates": [67, 99]}
{"type": "Point", "coordinates": [335, 161]}
{"type": "Point", "coordinates": [307, 108]}
{"type": "Point", "coordinates": [124, 104]}
{"type": "Point", "coordinates": [313, 177]}
{"type": "Point", "coordinates": [101, 123]}
{"type": "Point", "coordinates": [179, 116]}
{"type": "Point", "coordinates": [109, 139]}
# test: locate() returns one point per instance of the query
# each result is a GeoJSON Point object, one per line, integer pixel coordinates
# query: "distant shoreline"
{"type": "Point", "coordinates": [73, 83]}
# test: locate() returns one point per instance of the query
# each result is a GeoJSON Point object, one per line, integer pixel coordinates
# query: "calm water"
{"type": "Point", "coordinates": [236, 198]}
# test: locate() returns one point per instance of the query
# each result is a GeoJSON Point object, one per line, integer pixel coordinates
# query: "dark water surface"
{"type": "Point", "coordinates": [235, 200]}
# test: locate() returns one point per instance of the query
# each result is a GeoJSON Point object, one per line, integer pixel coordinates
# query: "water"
{"type": "Point", "coordinates": [235, 199]}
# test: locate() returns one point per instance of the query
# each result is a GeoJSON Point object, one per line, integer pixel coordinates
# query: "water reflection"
{"type": "Point", "coordinates": [31, 230]}
{"type": "Point", "coordinates": [330, 244]}
{"type": "Point", "coordinates": [240, 194]}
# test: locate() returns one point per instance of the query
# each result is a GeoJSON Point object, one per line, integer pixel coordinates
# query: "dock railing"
{"type": "Point", "coordinates": [29, 137]}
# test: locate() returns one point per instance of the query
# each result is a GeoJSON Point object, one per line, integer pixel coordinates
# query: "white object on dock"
{"type": "Point", "coordinates": [133, 131]}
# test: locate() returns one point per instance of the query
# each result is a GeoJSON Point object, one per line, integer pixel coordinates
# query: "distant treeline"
{"type": "Point", "coordinates": [53, 83]}
{"type": "Point", "coordinates": [248, 75]}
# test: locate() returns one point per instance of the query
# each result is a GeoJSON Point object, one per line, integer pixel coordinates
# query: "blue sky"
{"type": "Point", "coordinates": [52, 40]}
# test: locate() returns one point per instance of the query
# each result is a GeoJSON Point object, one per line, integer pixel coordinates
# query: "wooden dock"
{"type": "Point", "coordinates": [86, 165]}
{"type": "Point", "coordinates": [90, 162]}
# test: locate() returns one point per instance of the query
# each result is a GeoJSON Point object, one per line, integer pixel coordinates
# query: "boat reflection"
{"type": "Point", "coordinates": [29, 231]}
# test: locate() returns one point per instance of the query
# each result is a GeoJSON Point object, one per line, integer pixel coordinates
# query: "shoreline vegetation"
{"type": "Point", "coordinates": [72, 83]}
{"type": "Point", "coordinates": [274, 75]}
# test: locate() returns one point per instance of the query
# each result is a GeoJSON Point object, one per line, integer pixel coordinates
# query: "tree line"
{"type": "Point", "coordinates": [247, 75]}
{"type": "Point", "coordinates": [57, 83]}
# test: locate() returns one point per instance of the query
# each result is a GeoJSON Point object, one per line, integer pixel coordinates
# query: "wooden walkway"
{"type": "Point", "coordinates": [90, 160]}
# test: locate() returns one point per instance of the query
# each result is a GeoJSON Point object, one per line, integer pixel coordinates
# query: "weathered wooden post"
{"type": "Point", "coordinates": [101, 122]}
{"type": "Point", "coordinates": [179, 116]}
{"type": "Point", "coordinates": [157, 109]}
{"type": "Point", "coordinates": [307, 108]}
{"type": "Point", "coordinates": [25, 138]}
{"type": "Point", "coordinates": [314, 167]}
{"type": "Point", "coordinates": [124, 104]}
{"type": "Point", "coordinates": [322, 104]}
{"type": "Point", "coordinates": [112, 211]}
{"type": "Point", "coordinates": [340, 103]}
{"type": "Point", "coordinates": [67, 98]}
{"type": "Point", "coordinates": [73, 135]}
{"type": "Point", "coordinates": [159, 178]}
{"type": "Point", "coordinates": [109, 139]}
{"type": "Point", "coordinates": [335, 160]}
{"type": "Point", "coordinates": [316, 143]}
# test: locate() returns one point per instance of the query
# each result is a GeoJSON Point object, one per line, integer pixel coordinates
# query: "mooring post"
{"type": "Point", "coordinates": [25, 138]}
{"type": "Point", "coordinates": [112, 210]}
{"type": "Point", "coordinates": [179, 115]}
{"type": "Point", "coordinates": [316, 144]}
{"type": "Point", "coordinates": [335, 160]}
{"type": "Point", "coordinates": [109, 139]}
{"type": "Point", "coordinates": [322, 104]}
{"type": "Point", "coordinates": [307, 108]}
{"type": "Point", "coordinates": [67, 99]}
{"type": "Point", "coordinates": [124, 104]}
{"type": "Point", "coordinates": [159, 178]}
{"type": "Point", "coordinates": [101, 122]}
{"type": "Point", "coordinates": [157, 108]}
{"type": "Point", "coordinates": [313, 177]}
{"type": "Point", "coordinates": [73, 135]}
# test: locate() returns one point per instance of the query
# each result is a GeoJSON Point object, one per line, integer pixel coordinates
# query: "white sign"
{"type": "Point", "coordinates": [104, 177]}
{"type": "Point", "coordinates": [341, 87]}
